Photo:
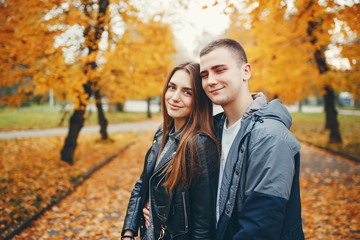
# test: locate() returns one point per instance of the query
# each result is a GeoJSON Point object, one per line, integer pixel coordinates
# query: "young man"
{"type": "Point", "coordinates": [258, 192]}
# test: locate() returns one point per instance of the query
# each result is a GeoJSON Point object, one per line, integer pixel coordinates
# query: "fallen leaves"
{"type": "Point", "coordinates": [330, 189]}
{"type": "Point", "coordinates": [32, 175]}
{"type": "Point", "coordinates": [97, 208]}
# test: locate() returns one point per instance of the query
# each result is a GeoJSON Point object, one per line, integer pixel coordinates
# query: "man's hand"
{"type": "Point", "coordinates": [146, 215]}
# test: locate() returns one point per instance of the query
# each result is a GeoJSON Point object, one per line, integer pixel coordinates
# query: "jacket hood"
{"type": "Point", "coordinates": [277, 111]}
{"type": "Point", "coordinates": [272, 110]}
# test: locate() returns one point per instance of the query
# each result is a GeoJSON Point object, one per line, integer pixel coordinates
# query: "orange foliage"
{"type": "Point", "coordinates": [283, 53]}
{"type": "Point", "coordinates": [33, 176]}
{"type": "Point", "coordinates": [25, 40]}
{"type": "Point", "coordinates": [136, 62]}
{"type": "Point", "coordinates": [138, 65]}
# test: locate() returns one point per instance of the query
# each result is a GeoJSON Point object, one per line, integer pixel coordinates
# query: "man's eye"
{"type": "Point", "coordinates": [220, 70]}
{"type": "Point", "coordinates": [204, 76]}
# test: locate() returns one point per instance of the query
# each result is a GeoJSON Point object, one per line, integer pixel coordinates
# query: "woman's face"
{"type": "Point", "coordinates": [179, 98]}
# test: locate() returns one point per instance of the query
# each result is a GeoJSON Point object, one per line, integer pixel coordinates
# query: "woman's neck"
{"type": "Point", "coordinates": [178, 124]}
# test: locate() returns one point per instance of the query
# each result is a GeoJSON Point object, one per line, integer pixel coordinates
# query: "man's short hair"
{"type": "Point", "coordinates": [235, 48]}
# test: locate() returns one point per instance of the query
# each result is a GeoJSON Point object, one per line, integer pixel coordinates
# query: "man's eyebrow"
{"type": "Point", "coordinates": [218, 66]}
{"type": "Point", "coordinates": [214, 68]}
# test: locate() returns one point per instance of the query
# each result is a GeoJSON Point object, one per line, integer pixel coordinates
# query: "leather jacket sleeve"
{"type": "Point", "coordinates": [203, 192]}
{"type": "Point", "coordinates": [136, 202]}
{"type": "Point", "coordinates": [134, 209]}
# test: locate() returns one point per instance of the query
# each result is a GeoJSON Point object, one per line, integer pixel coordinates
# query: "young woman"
{"type": "Point", "coordinates": [179, 178]}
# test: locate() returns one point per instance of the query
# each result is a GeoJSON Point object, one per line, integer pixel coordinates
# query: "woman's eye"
{"type": "Point", "coordinates": [204, 76]}
{"type": "Point", "coordinates": [171, 87]}
{"type": "Point", "coordinates": [187, 93]}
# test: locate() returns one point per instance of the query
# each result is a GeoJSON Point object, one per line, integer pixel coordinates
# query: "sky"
{"type": "Point", "coordinates": [192, 25]}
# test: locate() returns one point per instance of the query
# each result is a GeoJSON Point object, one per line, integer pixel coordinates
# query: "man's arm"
{"type": "Point", "coordinates": [268, 186]}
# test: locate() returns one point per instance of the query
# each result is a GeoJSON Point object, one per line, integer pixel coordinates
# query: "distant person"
{"type": "Point", "coordinates": [258, 193]}
{"type": "Point", "coordinates": [179, 180]}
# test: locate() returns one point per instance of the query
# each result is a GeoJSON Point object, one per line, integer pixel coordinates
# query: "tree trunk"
{"type": "Point", "coordinates": [331, 122]}
{"type": "Point", "coordinates": [76, 123]}
{"type": "Point", "coordinates": [77, 119]}
{"type": "Point", "coordinates": [331, 116]}
{"type": "Point", "coordinates": [148, 107]}
{"type": "Point", "coordinates": [101, 116]}
{"type": "Point", "coordinates": [120, 107]}
{"type": "Point", "coordinates": [300, 106]}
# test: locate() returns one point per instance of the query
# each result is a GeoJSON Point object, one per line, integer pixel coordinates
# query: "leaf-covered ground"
{"type": "Point", "coordinates": [330, 188]}
{"type": "Point", "coordinates": [32, 176]}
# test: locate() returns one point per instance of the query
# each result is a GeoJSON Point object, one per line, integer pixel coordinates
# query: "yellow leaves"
{"type": "Point", "coordinates": [140, 59]}
{"type": "Point", "coordinates": [33, 176]}
{"type": "Point", "coordinates": [282, 52]}
{"type": "Point", "coordinates": [329, 196]}
{"type": "Point", "coordinates": [97, 208]}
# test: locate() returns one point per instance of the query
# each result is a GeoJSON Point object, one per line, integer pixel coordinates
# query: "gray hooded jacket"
{"type": "Point", "coordinates": [260, 194]}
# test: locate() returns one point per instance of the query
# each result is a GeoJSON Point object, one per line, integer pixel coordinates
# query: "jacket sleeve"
{"type": "Point", "coordinates": [203, 192]}
{"type": "Point", "coordinates": [267, 189]}
{"type": "Point", "coordinates": [134, 209]}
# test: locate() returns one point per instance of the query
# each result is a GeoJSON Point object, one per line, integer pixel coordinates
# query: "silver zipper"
{"type": "Point", "coordinates": [185, 212]}
{"type": "Point", "coordinates": [162, 178]}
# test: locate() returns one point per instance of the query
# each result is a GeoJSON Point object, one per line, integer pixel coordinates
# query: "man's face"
{"type": "Point", "coordinates": [222, 77]}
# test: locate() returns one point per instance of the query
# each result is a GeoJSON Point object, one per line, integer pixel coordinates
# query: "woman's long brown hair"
{"type": "Point", "coordinates": [183, 169]}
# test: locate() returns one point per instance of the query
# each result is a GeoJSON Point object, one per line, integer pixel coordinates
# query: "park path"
{"type": "Point", "coordinates": [96, 209]}
{"type": "Point", "coordinates": [113, 128]}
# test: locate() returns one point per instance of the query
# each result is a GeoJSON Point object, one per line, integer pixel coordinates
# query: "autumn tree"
{"type": "Point", "coordinates": [26, 41]}
{"type": "Point", "coordinates": [141, 61]}
{"type": "Point", "coordinates": [36, 63]}
{"type": "Point", "coordinates": [287, 48]}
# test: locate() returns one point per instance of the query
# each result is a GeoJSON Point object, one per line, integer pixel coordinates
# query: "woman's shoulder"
{"type": "Point", "coordinates": [204, 140]}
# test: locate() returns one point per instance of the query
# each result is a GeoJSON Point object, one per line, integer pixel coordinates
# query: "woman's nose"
{"type": "Point", "coordinates": [176, 96]}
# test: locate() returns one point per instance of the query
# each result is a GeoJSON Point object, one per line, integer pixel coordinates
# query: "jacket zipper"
{"type": "Point", "coordinates": [185, 212]}
{"type": "Point", "coordinates": [162, 178]}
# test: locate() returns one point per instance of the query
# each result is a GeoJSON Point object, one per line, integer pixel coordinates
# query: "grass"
{"type": "Point", "coordinates": [309, 127]}
{"type": "Point", "coordinates": [44, 116]}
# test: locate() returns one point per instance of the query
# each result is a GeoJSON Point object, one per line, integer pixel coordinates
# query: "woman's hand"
{"type": "Point", "coordinates": [128, 234]}
{"type": "Point", "coordinates": [146, 215]}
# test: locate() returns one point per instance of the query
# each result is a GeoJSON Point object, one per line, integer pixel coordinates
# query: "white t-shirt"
{"type": "Point", "coordinates": [228, 136]}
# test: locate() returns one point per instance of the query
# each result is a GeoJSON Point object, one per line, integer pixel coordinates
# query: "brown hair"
{"type": "Point", "coordinates": [235, 48]}
{"type": "Point", "coordinates": [183, 168]}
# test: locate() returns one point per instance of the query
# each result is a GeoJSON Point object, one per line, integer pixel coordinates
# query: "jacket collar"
{"type": "Point", "coordinates": [259, 101]}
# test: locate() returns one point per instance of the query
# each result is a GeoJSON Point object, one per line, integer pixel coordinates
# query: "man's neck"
{"type": "Point", "coordinates": [236, 109]}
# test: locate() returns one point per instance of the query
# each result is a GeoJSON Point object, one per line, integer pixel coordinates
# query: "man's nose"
{"type": "Point", "coordinates": [212, 79]}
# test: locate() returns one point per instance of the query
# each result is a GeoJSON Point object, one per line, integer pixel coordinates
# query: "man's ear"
{"type": "Point", "coordinates": [246, 71]}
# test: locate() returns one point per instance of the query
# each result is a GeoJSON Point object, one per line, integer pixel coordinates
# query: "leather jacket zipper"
{"type": "Point", "coordinates": [185, 212]}
{"type": "Point", "coordinates": [162, 178]}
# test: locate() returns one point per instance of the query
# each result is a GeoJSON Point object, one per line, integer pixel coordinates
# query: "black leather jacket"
{"type": "Point", "coordinates": [191, 213]}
